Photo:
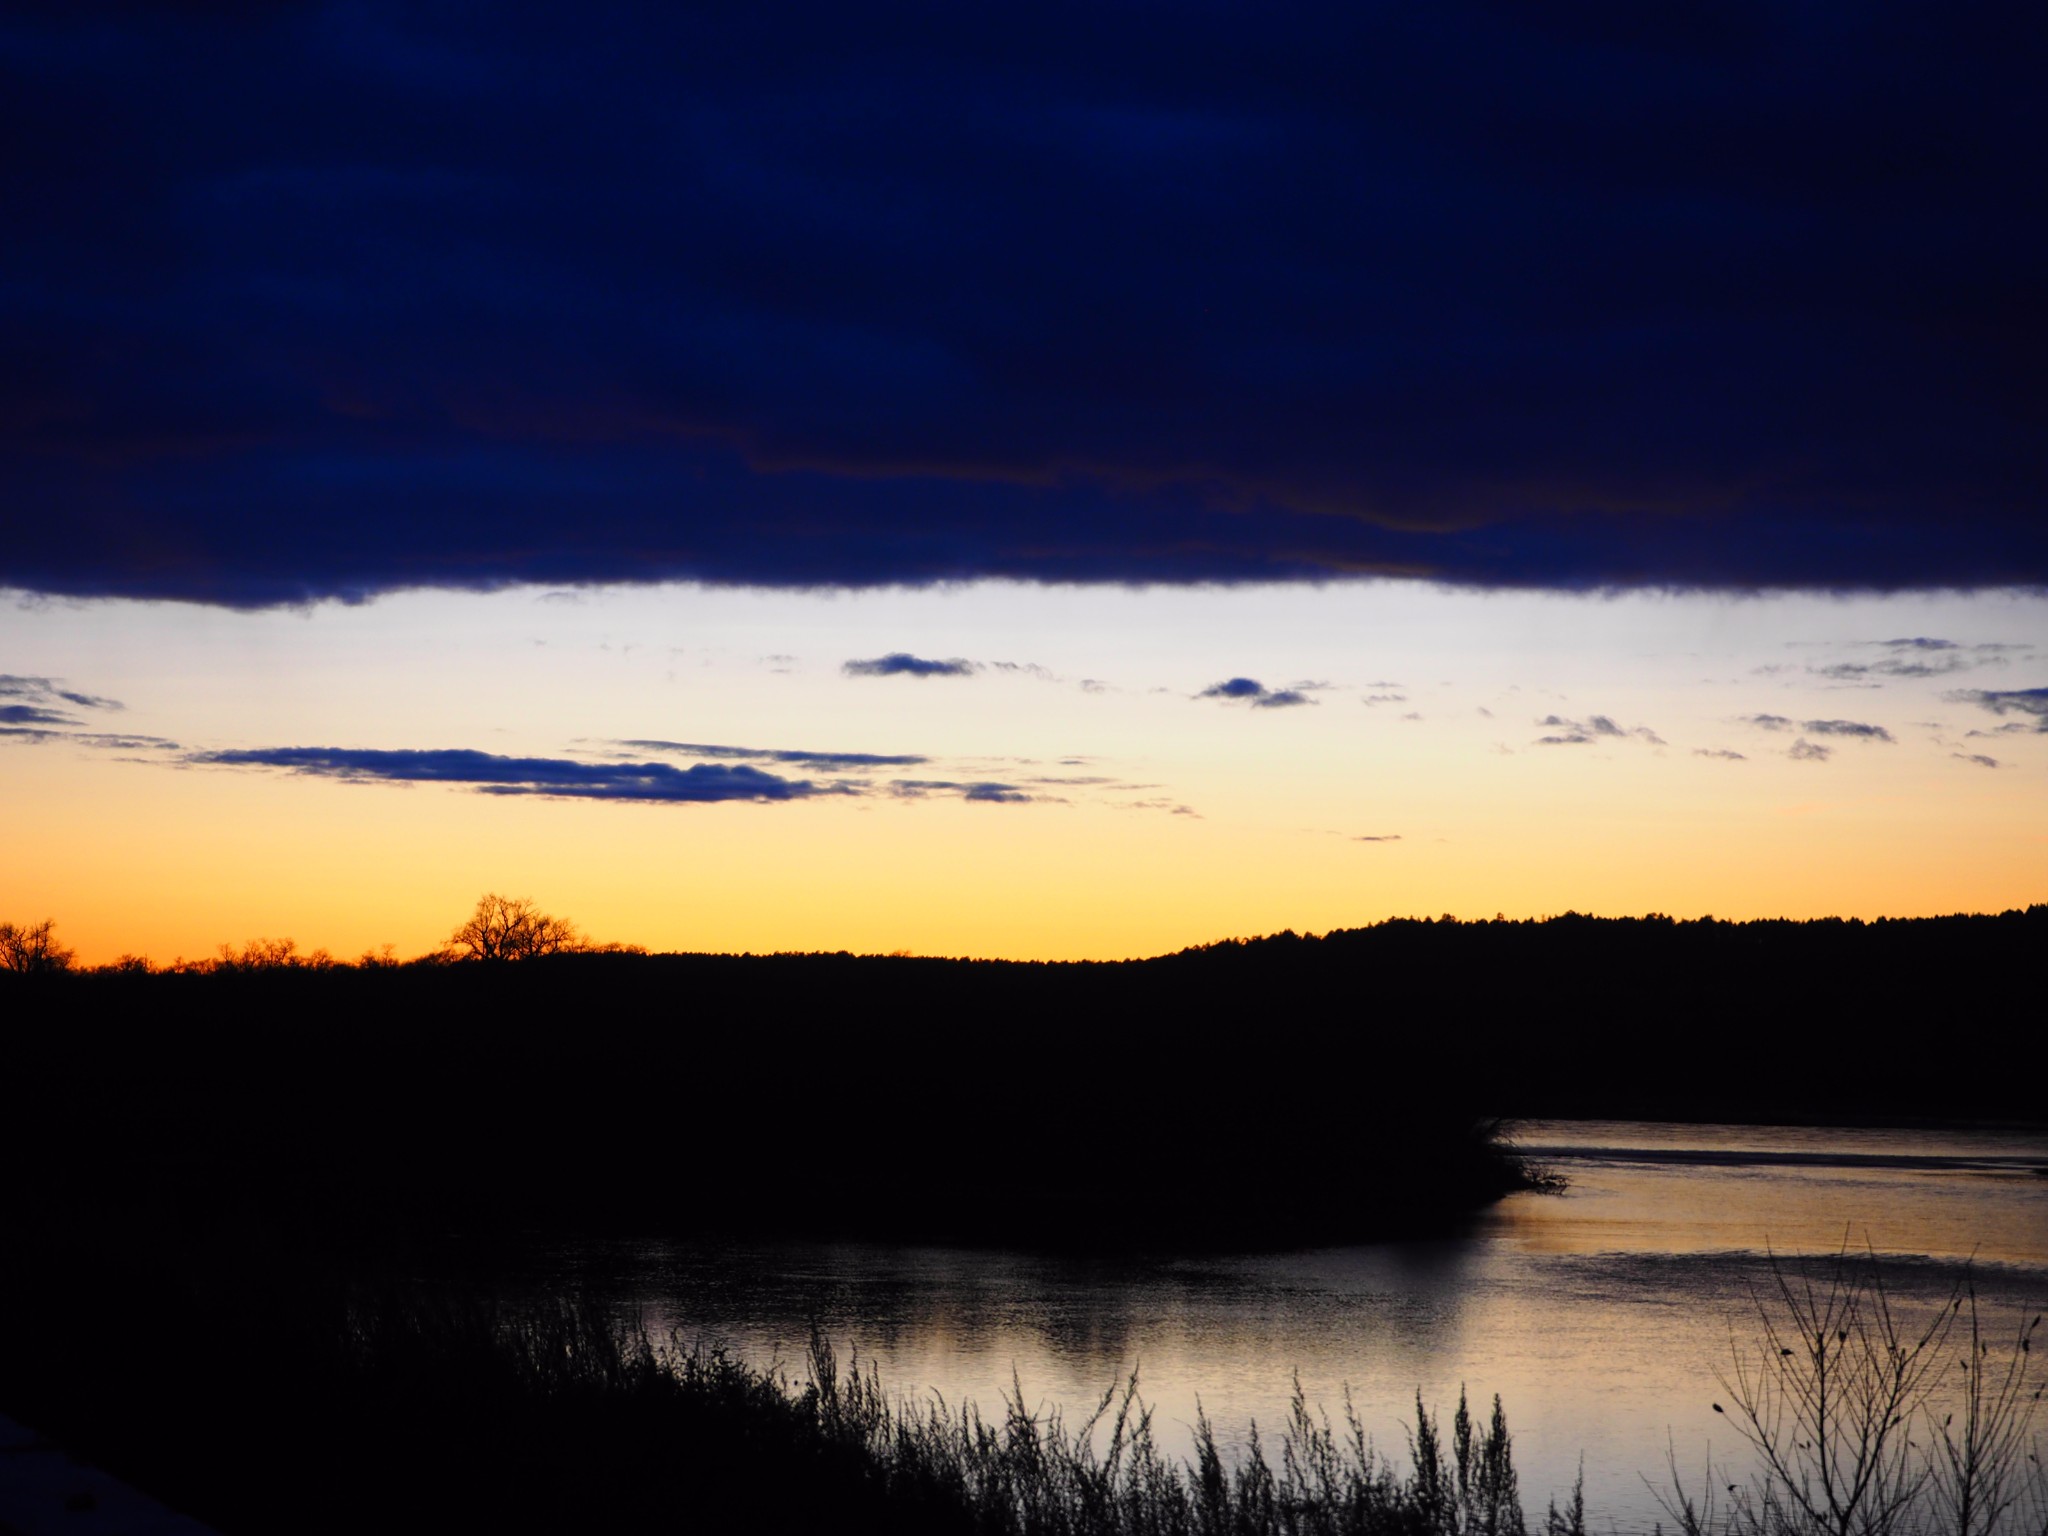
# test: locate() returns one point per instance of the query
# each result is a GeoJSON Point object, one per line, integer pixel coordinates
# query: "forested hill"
{"type": "Point", "coordinates": [1929, 1017]}
{"type": "Point", "coordinates": [1831, 1019]}
{"type": "Point", "coordinates": [1277, 1088]}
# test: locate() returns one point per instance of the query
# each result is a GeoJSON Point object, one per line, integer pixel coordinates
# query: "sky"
{"type": "Point", "coordinates": [1068, 483]}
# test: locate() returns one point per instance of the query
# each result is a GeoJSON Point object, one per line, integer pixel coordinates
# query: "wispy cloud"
{"type": "Point", "coordinates": [794, 756]}
{"type": "Point", "coordinates": [1576, 733]}
{"type": "Point", "coordinates": [111, 741]}
{"type": "Point", "coordinates": [1859, 671]}
{"type": "Point", "coordinates": [46, 690]}
{"type": "Point", "coordinates": [903, 664]}
{"type": "Point", "coordinates": [1384, 837]}
{"type": "Point", "coordinates": [1852, 729]}
{"type": "Point", "coordinates": [45, 715]}
{"type": "Point", "coordinates": [1913, 656]}
{"type": "Point", "coordinates": [1978, 758]}
{"type": "Point", "coordinates": [1804, 751]}
{"type": "Point", "coordinates": [984, 791]}
{"type": "Point", "coordinates": [2026, 702]}
{"type": "Point", "coordinates": [1248, 690]}
{"type": "Point", "coordinates": [1721, 753]}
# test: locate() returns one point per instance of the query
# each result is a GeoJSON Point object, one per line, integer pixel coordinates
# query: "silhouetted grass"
{"type": "Point", "coordinates": [561, 1403]}
{"type": "Point", "coordinates": [324, 1411]}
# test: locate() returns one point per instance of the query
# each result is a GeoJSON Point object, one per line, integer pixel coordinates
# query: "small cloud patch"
{"type": "Point", "coordinates": [1249, 690]}
{"type": "Point", "coordinates": [1855, 730]}
{"type": "Point", "coordinates": [1978, 758]}
{"type": "Point", "coordinates": [1720, 753]}
{"type": "Point", "coordinates": [1579, 733]}
{"type": "Point", "coordinates": [1804, 751]}
{"type": "Point", "coordinates": [903, 664]}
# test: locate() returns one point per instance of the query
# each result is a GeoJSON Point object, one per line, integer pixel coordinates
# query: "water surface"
{"type": "Point", "coordinates": [1600, 1316]}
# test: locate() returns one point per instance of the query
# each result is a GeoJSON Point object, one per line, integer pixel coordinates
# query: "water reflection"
{"type": "Point", "coordinates": [1601, 1316]}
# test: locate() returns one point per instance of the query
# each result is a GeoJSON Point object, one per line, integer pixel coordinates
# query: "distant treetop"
{"type": "Point", "coordinates": [513, 928]}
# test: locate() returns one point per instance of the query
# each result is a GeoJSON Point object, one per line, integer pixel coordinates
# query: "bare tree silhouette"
{"type": "Point", "coordinates": [513, 928]}
{"type": "Point", "coordinates": [30, 949]}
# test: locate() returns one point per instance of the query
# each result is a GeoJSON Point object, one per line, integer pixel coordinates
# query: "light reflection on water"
{"type": "Point", "coordinates": [1600, 1316]}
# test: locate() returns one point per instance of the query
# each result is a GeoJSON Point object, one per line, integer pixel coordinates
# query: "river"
{"type": "Point", "coordinates": [1602, 1316]}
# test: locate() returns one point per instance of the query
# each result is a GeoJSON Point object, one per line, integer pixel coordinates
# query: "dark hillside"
{"type": "Point", "coordinates": [1284, 1089]}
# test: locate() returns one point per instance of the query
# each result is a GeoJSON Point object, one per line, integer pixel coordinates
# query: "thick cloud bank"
{"type": "Point", "coordinates": [311, 300]}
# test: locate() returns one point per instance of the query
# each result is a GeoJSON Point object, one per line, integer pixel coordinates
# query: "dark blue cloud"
{"type": "Point", "coordinates": [551, 776]}
{"type": "Point", "coordinates": [791, 755]}
{"type": "Point", "coordinates": [33, 714]}
{"type": "Point", "coordinates": [2008, 701]}
{"type": "Point", "coordinates": [1234, 688]}
{"type": "Point", "coordinates": [312, 299]}
{"type": "Point", "coordinates": [1255, 693]}
{"type": "Point", "coordinates": [903, 664]}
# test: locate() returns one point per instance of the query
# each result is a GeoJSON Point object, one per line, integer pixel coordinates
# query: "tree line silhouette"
{"type": "Point", "coordinates": [1279, 1089]}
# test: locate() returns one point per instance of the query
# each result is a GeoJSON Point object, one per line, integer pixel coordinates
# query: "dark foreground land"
{"type": "Point", "coordinates": [223, 1188]}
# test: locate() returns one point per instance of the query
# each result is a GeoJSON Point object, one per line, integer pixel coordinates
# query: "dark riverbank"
{"type": "Point", "coordinates": [1272, 1092]}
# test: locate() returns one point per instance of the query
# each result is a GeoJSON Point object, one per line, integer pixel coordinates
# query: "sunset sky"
{"type": "Point", "coordinates": [1065, 483]}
